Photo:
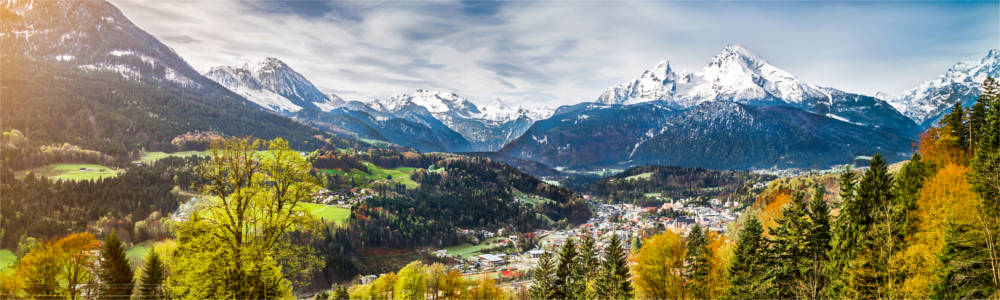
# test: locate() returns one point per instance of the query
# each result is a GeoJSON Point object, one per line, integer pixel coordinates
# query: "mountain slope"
{"type": "Point", "coordinates": [713, 134]}
{"type": "Point", "coordinates": [81, 72]}
{"type": "Point", "coordinates": [274, 85]}
{"type": "Point", "coordinates": [740, 76]}
{"type": "Point", "coordinates": [932, 99]}
{"type": "Point", "coordinates": [486, 128]}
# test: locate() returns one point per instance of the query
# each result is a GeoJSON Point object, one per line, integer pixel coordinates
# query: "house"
{"type": "Point", "coordinates": [492, 260]}
{"type": "Point", "coordinates": [536, 253]}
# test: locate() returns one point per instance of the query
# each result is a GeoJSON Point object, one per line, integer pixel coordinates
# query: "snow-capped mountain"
{"type": "Point", "coordinates": [274, 85]}
{"type": "Point", "coordinates": [488, 127]}
{"type": "Point", "coordinates": [736, 75]}
{"type": "Point", "coordinates": [928, 102]}
{"type": "Point", "coordinates": [93, 36]}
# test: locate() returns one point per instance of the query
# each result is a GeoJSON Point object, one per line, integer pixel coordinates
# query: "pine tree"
{"type": "Point", "coordinates": [786, 250]}
{"type": "Point", "coordinates": [972, 253]}
{"type": "Point", "coordinates": [869, 270]}
{"type": "Point", "coordinates": [564, 281]}
{"type": "Point", "coordinates": [340, 293]}
{"type": "Point", "coordinates": [152, 277]}
{"type": "Point", "coordinates": [583, 273]}
{"type": "Point", "coordinates": [977, 119]}
{"type": "Point", "coordinates": [814, 278]}
{"type": "Point", "coordinates": [115, 273]}
{"type": "Point", "coordinates": [843, 234]}
{"type": "Point", "coordinates": [955, 122]}
{"type": "Point", "coordinates": [698, 263]}
{"type": "Point", "coordinates": [615, 281]}
{"type": "Point", "coordinates": [544, 288]}
{"type": "Point", "coordinates": [746, 279]}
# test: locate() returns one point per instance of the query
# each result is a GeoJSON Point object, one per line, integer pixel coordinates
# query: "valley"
{"type": "Point", "coordinates": [133, 167]}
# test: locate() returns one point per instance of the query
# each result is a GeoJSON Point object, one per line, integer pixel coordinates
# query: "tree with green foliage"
{"type": "Point", "coordinates": [564, 278]}
{"type": "Point", "coordinates": [972, 253]}
{"type": "Point", "coordinates": [813, 274]}
{"type": "Point", "coordinates": [340, 293]}
{"type": "Point", "coordinates": [583, 271]}
{"type": "Point", "coordinates": [747, 279]}
{"type": "Point", "coordinates": [544, 287]}
{"type": "Point", "coordinates": [614, 281]}
{"type": "Point", "coordinates": [869, 268]}
{"type": "Point", "coordinates": [955, 122]}
{"type": "Point", "coordinates": [698, 263]}
{"type": "Point", "coordinates": [231, 250]}
{"type": "Point", "coordinates": [844, 233]}
{"type": "Point", "coordinates": [151, 279]}
{"type": "Point", "coordinates": [787, 249]}
{"type": "Point", "coordinates": [115, 274]}
{"type": "Point", "coordinates": [411, 282]}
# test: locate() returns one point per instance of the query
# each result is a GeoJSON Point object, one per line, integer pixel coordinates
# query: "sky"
{"type": "Point", "coordinates": [551, 53]}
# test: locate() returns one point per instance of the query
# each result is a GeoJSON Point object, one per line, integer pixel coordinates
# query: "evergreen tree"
{"type": "Point", "coordinates": [152, 277]}
{"type": "Point", "coordinates": [564, 281]}
{"type": "Point", "coordinates": [869, 269]}
{"type": "Point", "coordinates": [787, 250]}
{"type": "Point", "coordinates": [583, 273]}
{"type": "Point", "coordinates": [844, 233]}
{"type": "Point", "coordinates": [972, 253]}
{"type": "Point", "coordinates": [746, 279]}
{"type": "Point", "coordinates": [115, 273]}
{"type": "Point", "coordinates": [615, 280]}
{"type": "Point", "coordinates": [340, 293]}
{"type": "Point", "coordinates": [955, 122]}
{"type": "Point", "coordinates": [814, 278]}
{"type": "Point", "coordinates": [698, 263]}
{"type": "Point", "coordinates": [977, 119]}
{"type": "Point", "coordinates": [544, 287]}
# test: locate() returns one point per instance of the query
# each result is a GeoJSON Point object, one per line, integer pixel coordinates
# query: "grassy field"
{"type": "Point", "coordinates": [399, 175]}
{"type": "Point", "coordinates": [74, 172]}
{"type": "Point", "coordinates": [328, 212]}
{"type": "Point", "coordinates": [466, 250]}
{"type": "Point", "coordinates": [150, 157]}
{"type": "Point", "coordinates": [7, 259]}
{"type": "Point", "coordinates": [138, 252]}
{"type": "Point", "coordinates": [642, 176]}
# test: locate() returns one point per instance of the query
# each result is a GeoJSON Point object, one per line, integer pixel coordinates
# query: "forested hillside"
{"type": "Point", "coordinates": [650, 184]}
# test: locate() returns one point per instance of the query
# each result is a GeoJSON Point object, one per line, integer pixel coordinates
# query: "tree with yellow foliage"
{"type": "Point", "coordinates": [659, 268]}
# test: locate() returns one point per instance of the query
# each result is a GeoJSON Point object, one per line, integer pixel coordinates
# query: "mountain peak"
{"type": "Point", "coordinates": [274, 85]}
{"type": "Point", "coordinates": [928, 101]}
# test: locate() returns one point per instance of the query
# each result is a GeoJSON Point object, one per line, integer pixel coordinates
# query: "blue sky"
{"type": "Point", "coordinates": [560, 52]}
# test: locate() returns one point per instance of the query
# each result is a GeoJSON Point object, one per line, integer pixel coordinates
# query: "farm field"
{"type": "Point", "coordinates": [328, 212]}
{"type": "Point", "coordinates": [152, 156]}
{"type": "Point", "coordinates": [74, 172]}
{"type": "Point", "coordinates": [399, 175]}
{"type": "Point", "coordinates": [466, 250]}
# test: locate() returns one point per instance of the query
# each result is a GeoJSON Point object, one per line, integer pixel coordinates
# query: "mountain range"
{"type": "Point", "coordinates": [97, 78]}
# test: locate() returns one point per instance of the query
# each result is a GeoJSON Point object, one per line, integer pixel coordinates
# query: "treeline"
{"type": "Point", "coordinates": [42, 208]}
{"type": "Point", "coordinates": [676, 183]}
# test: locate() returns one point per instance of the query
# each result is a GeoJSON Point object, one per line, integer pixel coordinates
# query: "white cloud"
{"type": "Point", "coordinates": [561, 52]}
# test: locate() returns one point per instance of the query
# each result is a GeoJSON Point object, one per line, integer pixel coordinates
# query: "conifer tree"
{"type": "Point", "coordinates": [698, 263]}
{"type": "Point", "coordinates": [115, 272]}
{"type": "Point", "coordinates": [786, 250]}
{"type": "Point", "coordinates": [844, 233]}
{"type": "Point", "coordinates": [869, 269]}
{"type": "Point", "coordinates": [814, 279]}
{"type": "Point", "coordinates": [583, 273]}
{"type": "Point", "coordinates": [746, 272]}
{"type": "Point", "coordinates": [955, 122]}
{"type": "Point", "coordinates": [340, 293]}
{"type": "Point", "coordinates": [564, 281]}
{"type": "Point", "coordinates": [615, 281]}
{"type": "Point", "coordinates": [972, 253]}
{"type": "Point", "coordinates": [544, 288]}
{"type": "Point", "coordinates": [152, 277]}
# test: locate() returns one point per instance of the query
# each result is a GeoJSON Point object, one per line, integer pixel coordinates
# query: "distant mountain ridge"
{"type": "Point", "coordinates": [738, 75]}
{"type": "Point", "coordinates": [929, 101]}
{"type": "Point", "coordinates": [274, 85]}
